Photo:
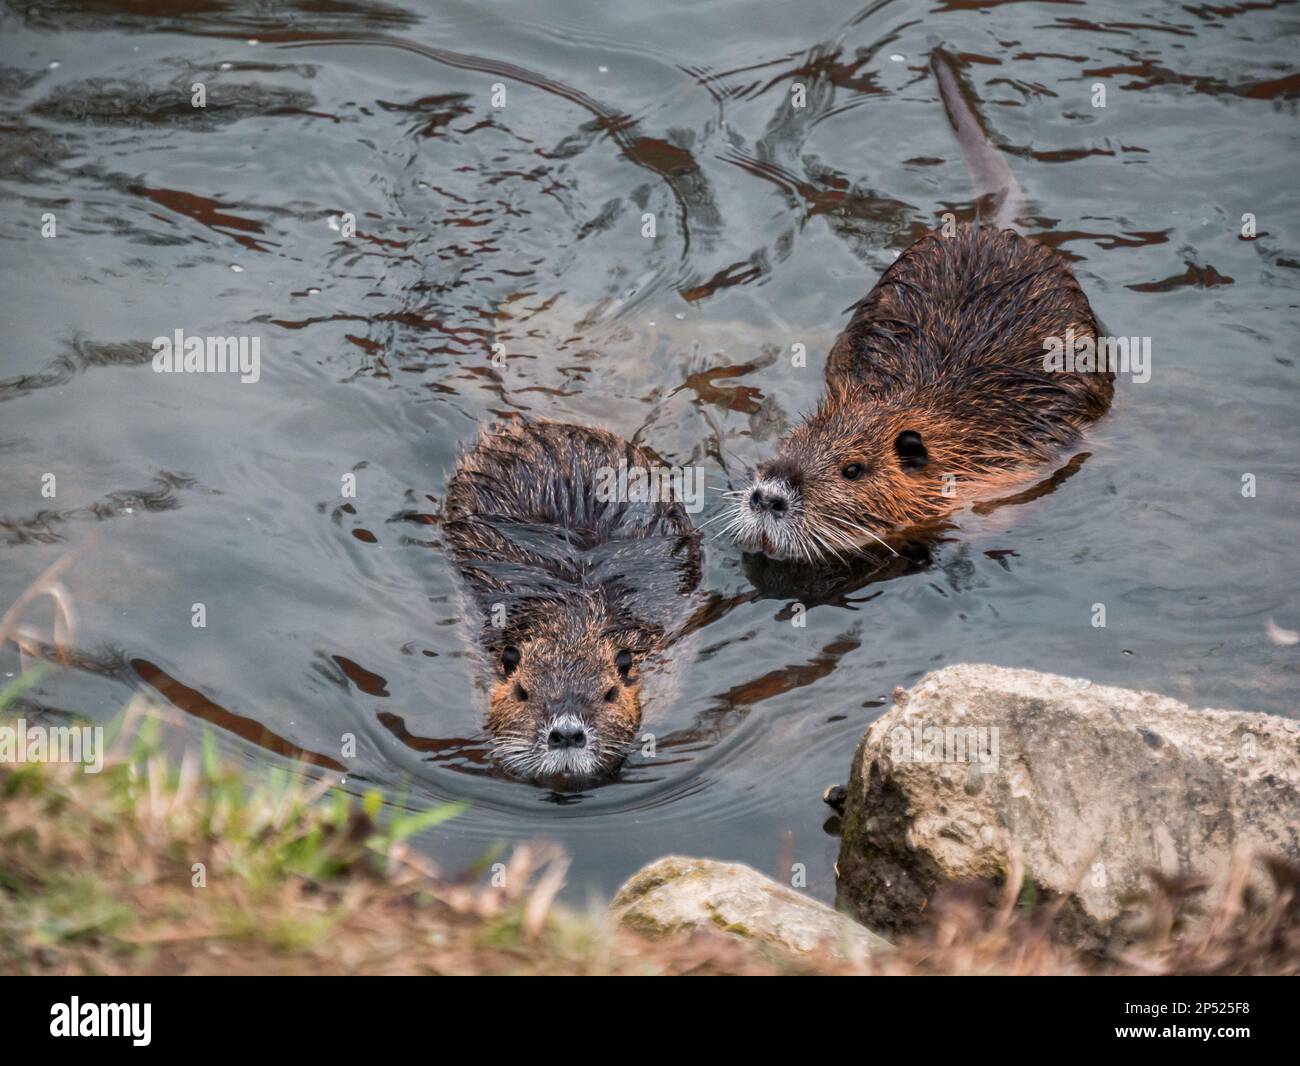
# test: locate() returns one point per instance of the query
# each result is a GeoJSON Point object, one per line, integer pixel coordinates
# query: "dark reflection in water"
{"type": "Point", "coordinates": [419, 256]}
{"type": "Point", "coordinates": [191, 701]}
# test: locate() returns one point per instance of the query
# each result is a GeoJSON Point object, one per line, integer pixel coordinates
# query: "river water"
{"type": "Point", "coordinates": [379, 193]}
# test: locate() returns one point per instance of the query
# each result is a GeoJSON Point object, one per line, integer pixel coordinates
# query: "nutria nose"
{"type": "Point", "coordinates": [567, 736]}
{"type": "Point", "coordinates": [766, 500]}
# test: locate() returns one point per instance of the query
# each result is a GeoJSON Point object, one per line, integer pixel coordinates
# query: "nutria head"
{"type": "Point", "coordinates": [566, 698]}
{"type": "Point", "coordinates": [849, 477]}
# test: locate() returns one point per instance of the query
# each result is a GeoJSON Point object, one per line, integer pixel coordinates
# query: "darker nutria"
{"type": "Point", "coordinates": [576, 590]}
{"type": "Point", "coordinates": [937, 390]}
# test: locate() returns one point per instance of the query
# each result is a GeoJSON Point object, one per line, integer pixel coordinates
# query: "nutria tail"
{"type": "Point", "coordinates": [988, 169]}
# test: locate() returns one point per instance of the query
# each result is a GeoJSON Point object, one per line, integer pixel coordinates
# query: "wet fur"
{"type": "Point", "coordinates": [579, 578]}
{"type": "Point", "coordinates": [949, 345]}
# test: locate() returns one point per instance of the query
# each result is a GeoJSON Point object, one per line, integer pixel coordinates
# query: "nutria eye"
{"type": "Point", "coordinates": [612, 694]}
{"type": "Point", "coordinates": [521, 693]}
{"type": "Point", "coordinates": [509, 659]}
{"type": "Point", "coordinates": [853, 471]}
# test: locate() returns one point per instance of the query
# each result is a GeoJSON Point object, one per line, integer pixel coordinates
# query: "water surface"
{"type": "Point", "coordinates": [521, 225]}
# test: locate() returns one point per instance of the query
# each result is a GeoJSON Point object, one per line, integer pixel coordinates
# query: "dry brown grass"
{"type": "Point", "coordinates": [96, 877]}
{"type": "Point", "coordinates": [1248, 933]}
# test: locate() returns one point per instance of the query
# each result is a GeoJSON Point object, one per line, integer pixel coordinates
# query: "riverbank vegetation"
{"type": "Point", "coordinates": [185, 865]}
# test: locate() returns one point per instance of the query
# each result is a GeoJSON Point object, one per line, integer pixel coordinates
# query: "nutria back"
{"type": "Point", "coordinates": [528, 525]}
{"type": "Point", "coordinates": [959, 323]}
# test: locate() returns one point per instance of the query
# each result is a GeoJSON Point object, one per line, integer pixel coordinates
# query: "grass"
{"type": "Point", "coordinates": [187, 866]}
{"type": "Point", "coordinates": [160, 865]}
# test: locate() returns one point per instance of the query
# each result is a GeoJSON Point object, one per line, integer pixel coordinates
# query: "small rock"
{"type": "Point", "coordinates": [834, 797]}
{"type": "Point", "coordinates": [677, 893]}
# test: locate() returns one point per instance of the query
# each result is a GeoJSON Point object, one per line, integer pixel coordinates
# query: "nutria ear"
{"type": "Point", "coordinates": [623, 660]}
{"type": "Point", "coordinates": [509, 659]}
{"type": "Point", "coordinates": [911, 450]}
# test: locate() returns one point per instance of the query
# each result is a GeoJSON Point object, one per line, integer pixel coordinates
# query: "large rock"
{"type": "Point", "coordinates": [677, 893]}
{"type": "Point", "coordinates": [1091, 787]}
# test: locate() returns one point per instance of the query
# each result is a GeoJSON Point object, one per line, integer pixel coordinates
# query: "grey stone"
{"type": "Point", "coordinates": [1091, 787]}
{"type": "Point", "coordinates": [676, 893]}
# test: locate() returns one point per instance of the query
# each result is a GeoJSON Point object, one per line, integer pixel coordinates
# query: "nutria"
{"type": "Point", "coordinates": [937, 393]}
{"type": "Point", "coordinates": [576, 591]}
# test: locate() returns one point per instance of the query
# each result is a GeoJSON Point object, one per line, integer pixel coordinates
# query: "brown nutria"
{"type": "Point", "coordinates": [576, 588]}
{"type": "Point", "coordinates": [937, 390]}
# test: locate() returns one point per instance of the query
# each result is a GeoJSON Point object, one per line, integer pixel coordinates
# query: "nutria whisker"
{"type": "Point", "coordinates": [731, 528]}
{"type": "Point", "coordinates": [821, 539]}
{"type": "Point", "coordinates": [824, 548]}
{"type": "Point", "coordinates": [715, 518]}
{"type": "Point", "coordinates": [806, 540]}
{"type": "Point", "coordinates": [844, 540]}
{"type": "Point", "coordinates": [526, 756]}
{"type": "Point", "coordinates": [860, 529]}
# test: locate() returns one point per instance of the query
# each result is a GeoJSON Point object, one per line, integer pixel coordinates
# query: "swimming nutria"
{"type": "Point", "coordinates": [937, 394]}
{"type": "Point", "coordinates": [576, 590]}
